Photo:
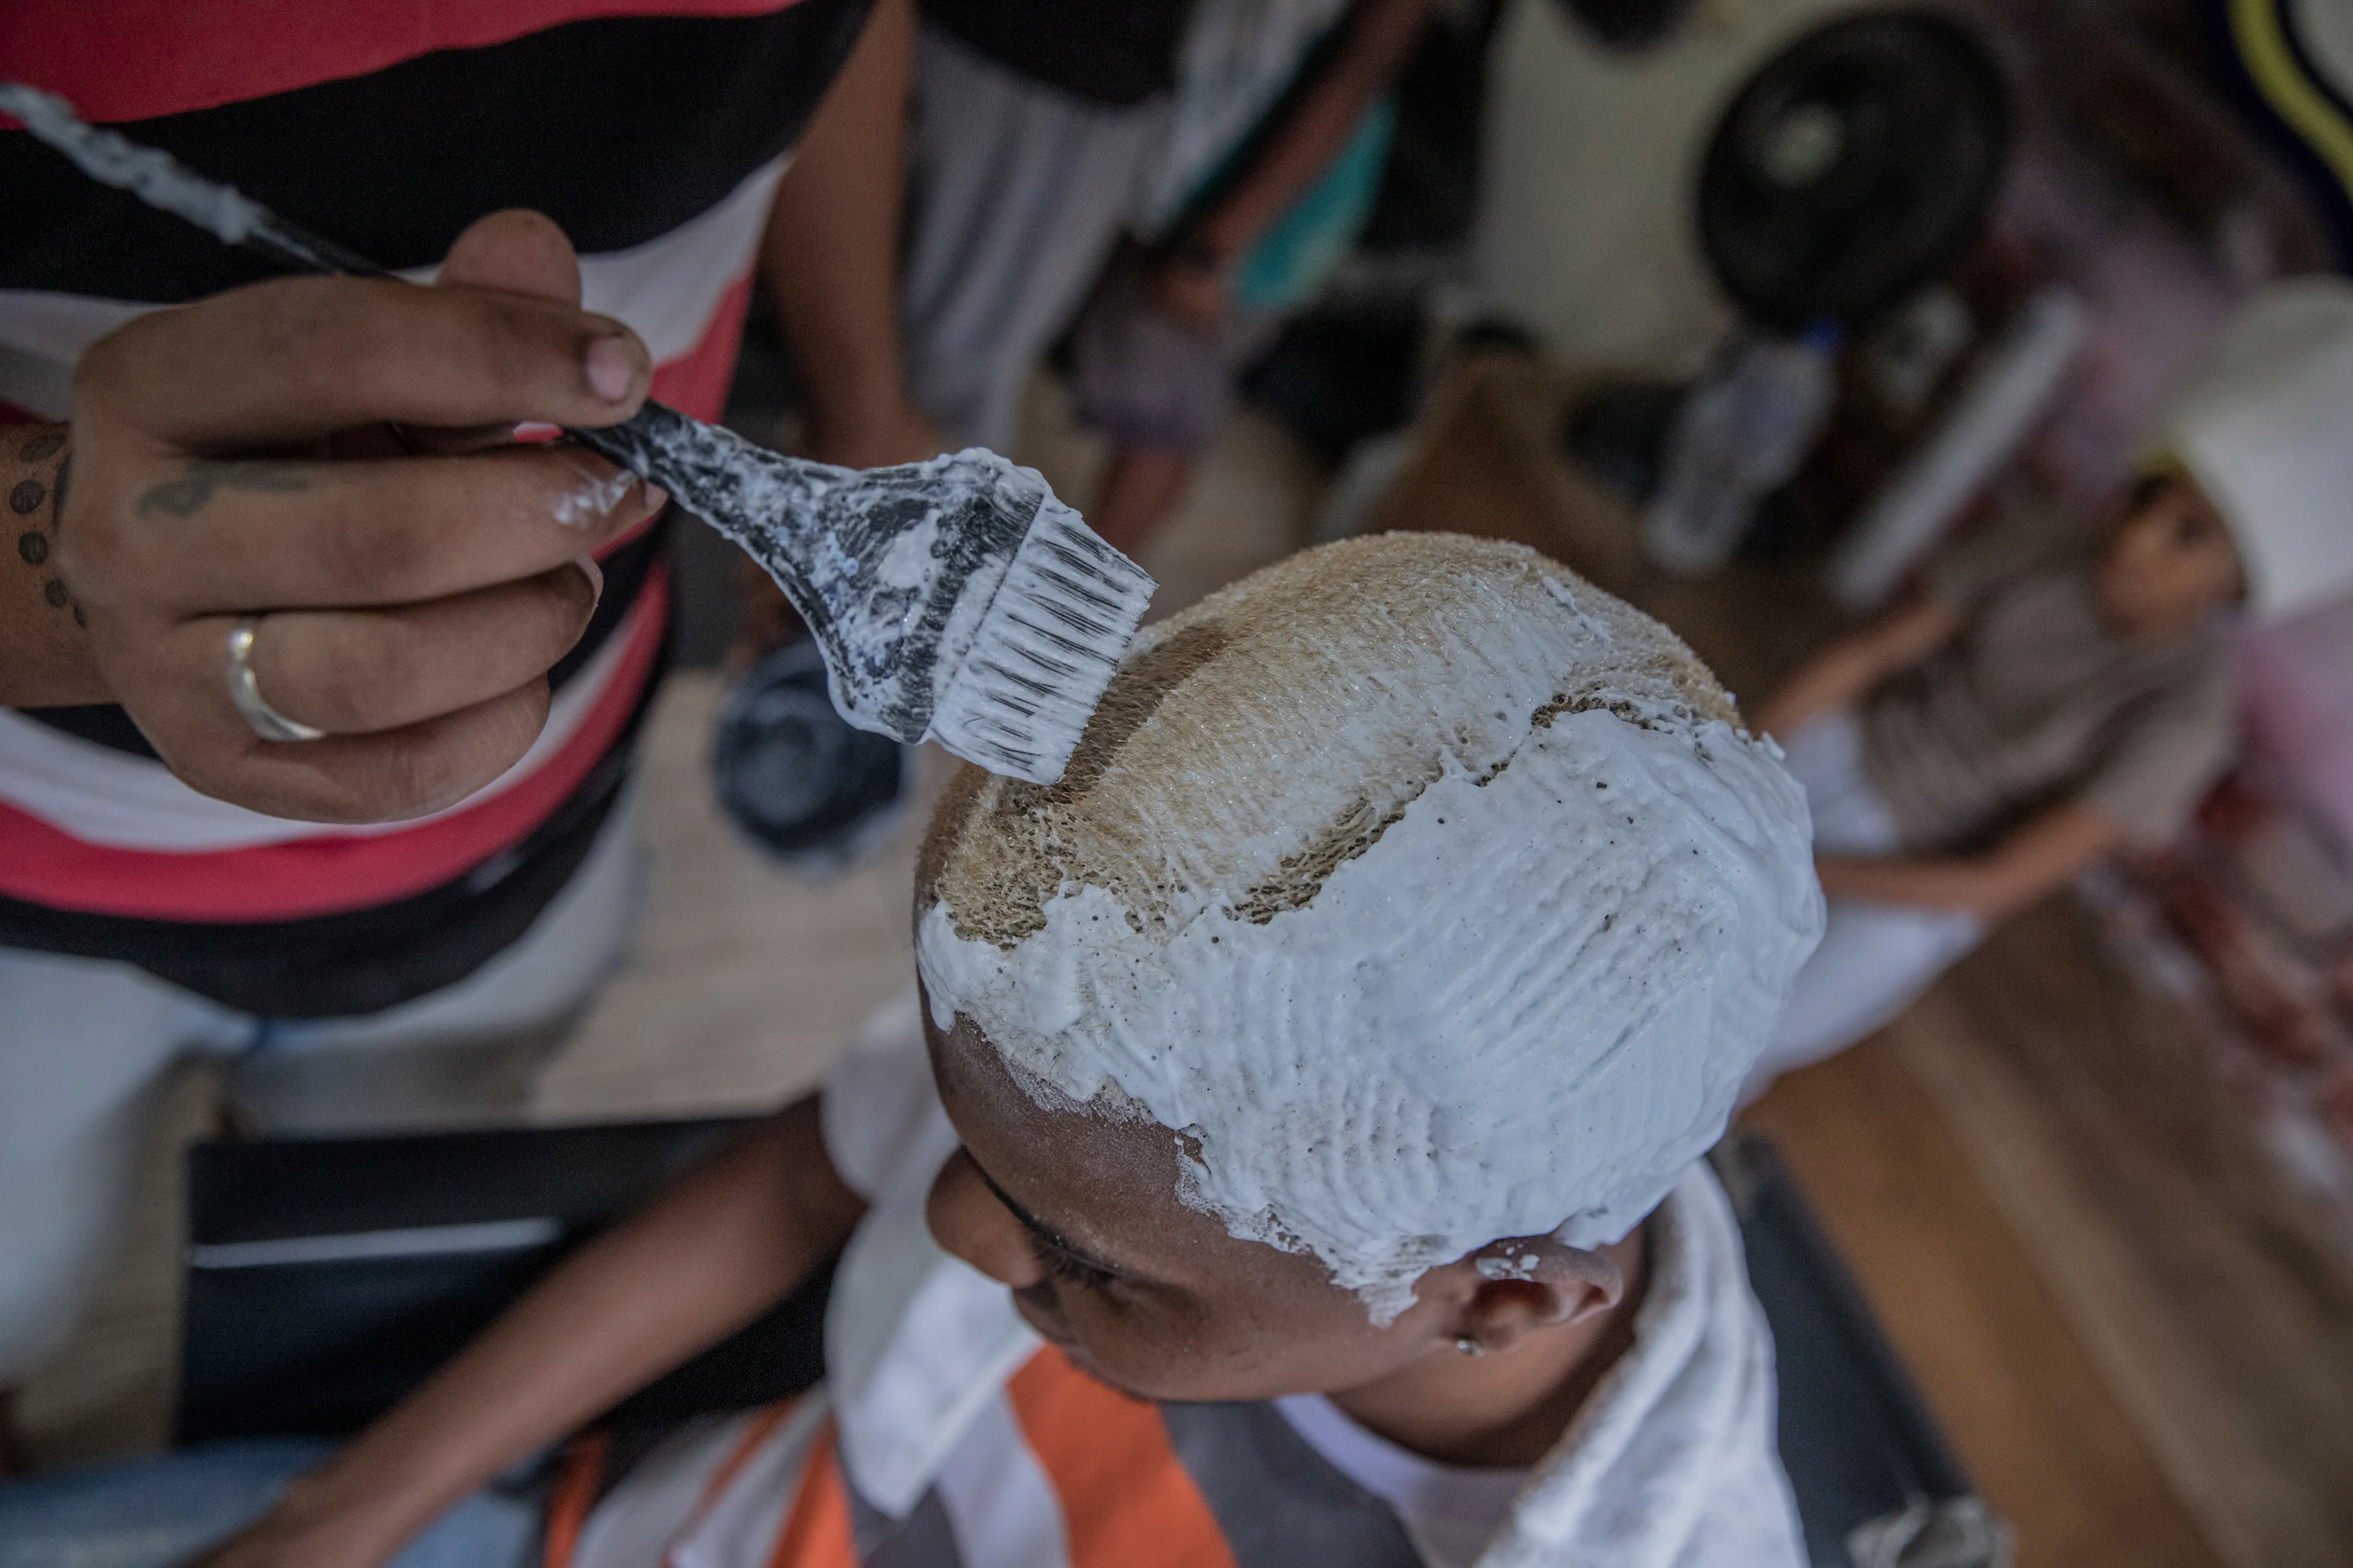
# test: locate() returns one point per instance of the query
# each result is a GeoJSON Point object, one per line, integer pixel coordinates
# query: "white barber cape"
{"type": "Point", "coordinates": [1672, 1464]}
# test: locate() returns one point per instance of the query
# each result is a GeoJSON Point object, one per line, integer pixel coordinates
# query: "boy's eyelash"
{"type": "Point", "coordinates": [1061, 1266]}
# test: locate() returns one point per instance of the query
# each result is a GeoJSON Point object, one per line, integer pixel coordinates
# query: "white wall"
{"type": "Point", "coordinates": [1585, 231]}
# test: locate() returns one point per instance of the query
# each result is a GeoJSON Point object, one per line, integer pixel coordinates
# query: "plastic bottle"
{"type": "Point", "coordinates": [1742, 431]}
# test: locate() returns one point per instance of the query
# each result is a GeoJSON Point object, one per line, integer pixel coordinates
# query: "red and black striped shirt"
{"type": "Point", "coordinates": [654, 133]}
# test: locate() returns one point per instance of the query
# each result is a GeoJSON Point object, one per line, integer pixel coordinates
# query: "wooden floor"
{"type": "Point", "coordinates": [2139, 1339]}
{"type": "Point", "coordinates": [1961, 1300]}
{"type": "Point", "coordinates": [2212, 1295]}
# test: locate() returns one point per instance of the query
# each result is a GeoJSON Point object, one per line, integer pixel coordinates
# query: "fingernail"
{"type": "Point", "coordinates": [612, 365]}
{"type": "Point", "coordinates": [596, 576]}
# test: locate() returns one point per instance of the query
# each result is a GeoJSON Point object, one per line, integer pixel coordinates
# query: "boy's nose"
{"type": "Point", "coordinates": [967, 1220]}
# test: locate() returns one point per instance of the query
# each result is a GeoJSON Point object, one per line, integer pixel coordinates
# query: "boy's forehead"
{"type": "Point", "coordinates": [1107, 1182]}
{"type": "Point", "coordinates": [1004, 1122]}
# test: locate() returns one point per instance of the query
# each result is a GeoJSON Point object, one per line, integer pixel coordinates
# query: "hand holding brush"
{"type": "Point", "coordinates": [955, 600]}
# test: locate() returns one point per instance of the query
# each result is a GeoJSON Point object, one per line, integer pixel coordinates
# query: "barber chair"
{"type": "Point", "coordinates": [327, 1277]}
{"type": "Point", "coordinates": [1876, 1483]}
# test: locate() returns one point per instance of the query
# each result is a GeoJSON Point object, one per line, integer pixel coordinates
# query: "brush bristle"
{"type": "Point", "coordinates": [1046, 649]}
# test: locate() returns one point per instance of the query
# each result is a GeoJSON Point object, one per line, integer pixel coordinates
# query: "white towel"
{"type": "Point", "coordinates": [1673, 1463]}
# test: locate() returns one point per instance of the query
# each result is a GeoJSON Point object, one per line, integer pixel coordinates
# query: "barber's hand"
{"type": "Point", "coordinates": [333, 457]}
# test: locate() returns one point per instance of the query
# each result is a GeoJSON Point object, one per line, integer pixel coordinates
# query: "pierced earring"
{"type": "Point", "coordinates": [1468, 1346]}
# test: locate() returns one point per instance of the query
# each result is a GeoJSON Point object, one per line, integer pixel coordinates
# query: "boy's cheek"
{"type": "Point", "coordinates": [1139, 1370]}
{"type": "Point", "coordinates": [1156, 1357]}
{"type": "Point", "coordinates": [1135, 1357]}
{"type": "Point", "coordinates": [1037, 1308]}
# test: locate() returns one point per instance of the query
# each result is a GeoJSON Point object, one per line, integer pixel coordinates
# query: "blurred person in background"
{"type": "Point", "coordinates": [1272, 160]}
{"type": "Point", "coordinates": [1277, 140]}
{"type": "Point", "coordinates": [386, 925]}
{"type": "Point", "coordinates": [2055, 694]}
{"type": "Point", "coordinates": [1033, 129]}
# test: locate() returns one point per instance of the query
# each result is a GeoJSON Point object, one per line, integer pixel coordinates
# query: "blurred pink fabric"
{"type": "Point", "coordinates": [2295, 694]}
{"type": "Point", "coordinates": [2154, 297]}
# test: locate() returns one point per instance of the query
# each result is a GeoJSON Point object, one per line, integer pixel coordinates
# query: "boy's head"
{"type": "Point", "coordinates": [1408, 898]}
{"type": "Point", "coordinates": [2262, 440]}
{"type": "Point", "coordinates": [2168, 560]}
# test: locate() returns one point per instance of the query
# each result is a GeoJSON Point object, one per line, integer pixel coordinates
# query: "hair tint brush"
{"type": "Point", "coordinates": [956, 601]}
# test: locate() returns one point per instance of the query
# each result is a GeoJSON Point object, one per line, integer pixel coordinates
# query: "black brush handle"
{"type": "Point", "coordinates": [644, 444]}
{"type": "Point", "coordinates": [297, 249]}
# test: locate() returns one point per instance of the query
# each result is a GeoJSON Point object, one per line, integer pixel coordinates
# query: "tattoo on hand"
{"type": "Point", "coordinates": [194, 489]}
{"type": "Point", "coordinates": [26, 498]}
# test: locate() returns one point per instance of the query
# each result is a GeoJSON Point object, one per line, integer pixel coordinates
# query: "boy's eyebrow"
{"type": "Point", "coordinates": [1044, 1232]}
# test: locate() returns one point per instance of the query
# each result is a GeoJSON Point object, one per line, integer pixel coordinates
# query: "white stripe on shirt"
{"type": "Point", "coordinates": [658, 1514]}
{"type": "Point", "coordinates": [664, 291]}
{"type": "Point", "coordinates": [1003, 1508]}
{"type": "Point", "coordinates": [741, 1523]}
{"type": "Point", "coordinates": [100, 795]}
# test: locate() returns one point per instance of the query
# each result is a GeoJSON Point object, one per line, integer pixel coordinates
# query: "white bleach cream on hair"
{"type": "Point", "coordinates": [1430, 894]}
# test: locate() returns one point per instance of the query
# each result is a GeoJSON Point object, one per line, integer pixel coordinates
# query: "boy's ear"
{"type": "Point", "coordinates": [1531, 1282]}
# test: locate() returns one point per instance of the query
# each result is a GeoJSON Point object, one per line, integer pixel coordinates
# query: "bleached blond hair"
{"type": "Point", "coordinates": [1432, 894]}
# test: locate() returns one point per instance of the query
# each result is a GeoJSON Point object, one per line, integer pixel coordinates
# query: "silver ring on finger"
{"type": "Point", "coordinates": [246, 692]}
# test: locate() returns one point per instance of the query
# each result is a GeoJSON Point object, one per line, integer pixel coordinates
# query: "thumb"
{"type": "Point", "coordinates": [516, 252]}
